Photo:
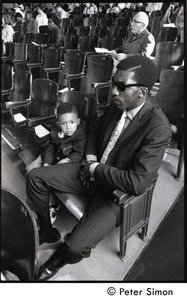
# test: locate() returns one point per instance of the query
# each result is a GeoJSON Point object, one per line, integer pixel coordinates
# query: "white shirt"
{"type": "Point", "coordinates": [42, 19]}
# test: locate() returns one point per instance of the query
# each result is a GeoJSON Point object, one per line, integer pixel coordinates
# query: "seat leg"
{"type": "Point", "coordinates": [180, 163]}
{"type": "Point", "coordinates": [143, 233]}
{"type": "Point", "coordinates": [123, 246]}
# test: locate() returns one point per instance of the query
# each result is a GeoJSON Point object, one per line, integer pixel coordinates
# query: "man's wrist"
{"type": "Point", "coordinates": [92, 168]}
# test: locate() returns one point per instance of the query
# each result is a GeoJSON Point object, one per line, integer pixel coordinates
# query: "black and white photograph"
{"type": "Point", "coordinates": [92, 146]}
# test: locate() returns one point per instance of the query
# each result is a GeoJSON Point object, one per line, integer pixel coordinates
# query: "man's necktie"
{"type": "Point", "coordinates": [115, 135]}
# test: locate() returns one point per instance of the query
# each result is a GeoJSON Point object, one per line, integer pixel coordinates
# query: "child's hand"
{"type": "Point", "coordinates": [64, 161]}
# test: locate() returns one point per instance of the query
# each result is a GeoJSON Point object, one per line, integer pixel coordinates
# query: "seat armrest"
{"type": "Point", "coordinates": [74, 76]}
{"type": "Point", "coordinates": [17, 104]}
{"type": "Point", "coordinates": [52, 70]}
{"type": "Point", "coordinates": [38, 120]}
{"type": "Point", "coordinates": [34, 65]}
{"type": "Point", "coordinates": [121, 197]}
{"type": "Point", "coordinates": [99, 85]}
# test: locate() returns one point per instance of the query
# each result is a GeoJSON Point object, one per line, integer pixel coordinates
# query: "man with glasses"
{"type": "Point", "coordinates": [125, 148]}
{"type": "Point", "coordinates": [139, 41]}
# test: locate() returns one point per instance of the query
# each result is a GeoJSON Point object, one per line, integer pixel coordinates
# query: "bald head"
{"type": "Point", "coordinates": [142, 17]}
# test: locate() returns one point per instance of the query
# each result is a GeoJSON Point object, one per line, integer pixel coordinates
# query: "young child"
{"type": "Point", "coordinates": [66, 145]}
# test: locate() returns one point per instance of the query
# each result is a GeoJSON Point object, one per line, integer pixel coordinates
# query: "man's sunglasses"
{"type": "Point", "coordinates": [122, 86]}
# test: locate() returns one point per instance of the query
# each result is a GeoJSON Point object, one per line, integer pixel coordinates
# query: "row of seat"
{"type": "Point", "coordinates": [22, 224]}
{"type": "Point", "coordinates": [94, 82]}
{"type": "Point", "coordinates": [167, 53]}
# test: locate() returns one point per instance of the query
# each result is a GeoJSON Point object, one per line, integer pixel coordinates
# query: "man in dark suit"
{"type": "Point", "coordinates": [129, 164]}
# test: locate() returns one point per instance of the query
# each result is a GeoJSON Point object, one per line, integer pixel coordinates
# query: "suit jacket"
{"type": "Point", "coordinates": [72, 147]}
{"type": "Point", "coordinates": [142, 44]}
{"type": "Point", "coordinates": [54, 37]}
{"type": "Point", "coordinates": [138, 153]}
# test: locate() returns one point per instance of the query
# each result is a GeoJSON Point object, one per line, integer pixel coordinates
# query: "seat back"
{"type": "Point", "coordinates": [74, 63]}
{"type": "Point", "coordinates": [170, 96]}
{"type": "Point", "coordinates": [99, 70]}
{"type": "Point", "coordinates": [99, 31]}
{"type": "Point", "coordinates": [90, 21]}
{"type": "Point", "coordinates": [34, 54]}
{"type": "Point", "coordinates": [41, 38]}
{"type": "Point", "coordinates": [9, 49]}
{"type": "Point", "coordinates": [87, 43]}
{"type": "Point", "coordinates": [70, 41]}
{"type": "Point", "coordinates": [29, 37]}
{"type": "Point", "coordinates": [43, 29]}
{"type": "Point", "coordinates": [123, 30]}
{"type": "Point", "coordinates": [22, 86]}
{"type": "Point", "coordinates": [18, 37]}
{"type": "Point", "coordinates": [167, 34]}
{"type": "Point", "coordinates": [65, 22]}
{"type": "Point", "coordinates": [110, 42]}
{"type": "Point", "coordinates": [19, 237]}
{"type": "Point", "coordinates": [6, 78]}
{"type": "Point", "coordinates": [168, 54]}
{"type": "Point", "coordinates": [45, 93]}
{"type": "Point", "coordinates": [121, 21]}
{"type": "Point", "coordinates": [20, 51]}
{"type": "Point", "coordinates": [52, 57]}
{"type": "Point", "coordinates": [83, 30]}
{"type": "Point", "coordinates": [105, 21]}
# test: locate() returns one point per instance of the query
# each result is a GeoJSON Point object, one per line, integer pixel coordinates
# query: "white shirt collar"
{"type": "Point", "coordinates": [132, 113]}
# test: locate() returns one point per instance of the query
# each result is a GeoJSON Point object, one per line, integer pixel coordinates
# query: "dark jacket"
{"type": "Point", "coordinates": [54, 38]}
{"type": "Point", "coordinates": [138, 153]}
{"type": "Point", "coordinates": [142, 44]}
{"type": "Point", "coordinates": [72, 147]}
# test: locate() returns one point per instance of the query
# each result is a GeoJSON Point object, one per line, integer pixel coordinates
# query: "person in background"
{"type": "Point", "coordinates": [179, 22]}
{"type": "Point", "coordinates": [171, 13]}
{"type": "Point", "coordinates": [124, 150]}
{"type": "Point", "coordinates": [30, 24]}
{"type": "Point", "coordinates": [19, 22]}
{"type": "Point", "coordinates": [139, 40]}
{"type": "Point", "coordinates": [90, 9]}
{"type": "Point", "coordinates": [113, 9]}
{"type": "Point", "coordinates": [7, 34]}
{"type": "Point", "coordinates": [19, 27]}
{"type": "Point", "coordinates": [54, 37]}
{"type": "Point", "coordinates": [41, 17]}
{"type": "Point", "coordinates": [61, 12]}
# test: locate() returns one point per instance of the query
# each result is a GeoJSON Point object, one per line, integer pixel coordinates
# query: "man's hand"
{"type": "Point", "coordinates": [86, 178]}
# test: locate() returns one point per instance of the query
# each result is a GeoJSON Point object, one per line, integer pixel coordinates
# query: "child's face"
{"type": "Point", "coordinates": [68, 123]}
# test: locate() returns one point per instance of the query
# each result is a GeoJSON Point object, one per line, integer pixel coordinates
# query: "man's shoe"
{"type": "Point", "coordinates": [53, 264]}
{"type": "Point", "coordinates": [51, 236]}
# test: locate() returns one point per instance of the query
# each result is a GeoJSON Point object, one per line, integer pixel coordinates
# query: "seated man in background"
{"type": "Point", "coordinates": [54, 37]}
{"type": "Point", "coordinates": [124, 150]}
{"type": "Point", "coordinates": [139, 41]}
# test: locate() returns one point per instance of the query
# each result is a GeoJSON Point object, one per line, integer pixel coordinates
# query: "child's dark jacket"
{"type": "Point", "coordinates": [71, 147]}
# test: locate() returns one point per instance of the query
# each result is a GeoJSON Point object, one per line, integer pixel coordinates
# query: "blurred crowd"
{"type": "Point", "coordinates": [27, 17]}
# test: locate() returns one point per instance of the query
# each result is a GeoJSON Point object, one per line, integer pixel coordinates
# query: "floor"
{"type": "Point", "coordinates": [103, 264]}
{"type": "Point", "coordinates": [168, 246]}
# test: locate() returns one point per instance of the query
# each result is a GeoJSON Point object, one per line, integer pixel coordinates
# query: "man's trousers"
{"type": "Point", "coordinates": [100, 218]}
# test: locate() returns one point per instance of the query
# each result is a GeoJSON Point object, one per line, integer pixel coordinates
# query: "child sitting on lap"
{"type": "Point", "coordinates": [67, 142]}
